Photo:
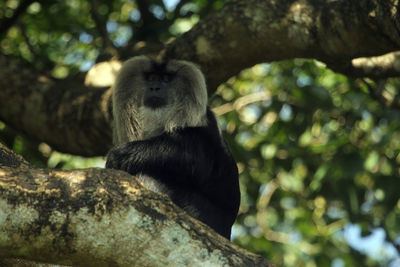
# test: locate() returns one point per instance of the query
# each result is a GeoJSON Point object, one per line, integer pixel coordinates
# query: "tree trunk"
{"type": "Point", "coordinates": [101, 217]}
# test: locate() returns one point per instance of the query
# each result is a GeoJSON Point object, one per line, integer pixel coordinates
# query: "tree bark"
{"type": "Point", "coordinates": [76, 119]}
{"type": "Point", "coordinates": [66, 114]}
{"type": "Point", "coordinates": [101, 217]}
{"type": "Point", "coordinates": [244, 33]}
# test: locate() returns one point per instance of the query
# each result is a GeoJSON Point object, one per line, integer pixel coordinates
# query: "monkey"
{"type": "Point", "coordinates": [167, 136]}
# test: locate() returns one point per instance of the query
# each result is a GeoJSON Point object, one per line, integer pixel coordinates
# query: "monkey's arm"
{"type": "Point", "coordinates": [186, 154]}
{"type": "Point", "coordinates": [194, 157]}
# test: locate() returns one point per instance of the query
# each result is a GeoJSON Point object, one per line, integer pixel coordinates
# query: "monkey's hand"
{"type": "Point", "coordinates": [118, 157]}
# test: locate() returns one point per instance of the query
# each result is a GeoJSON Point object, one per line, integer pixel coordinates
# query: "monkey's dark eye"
{"type": "Point", "coordinates": [158, 77]}
{"type": "Point", "coordinates": [152, 77]}
{"type": "Point", "coordinates": [166, 78]}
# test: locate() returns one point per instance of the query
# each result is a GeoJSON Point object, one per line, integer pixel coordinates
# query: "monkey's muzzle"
{"type": "Point", "coordinates": [154, 102]}
{"type": "Point", "coordinates": [156, 96]}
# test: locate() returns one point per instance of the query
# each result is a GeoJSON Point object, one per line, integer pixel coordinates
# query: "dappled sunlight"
{"type": "Point", "coordinates": [318, 155]}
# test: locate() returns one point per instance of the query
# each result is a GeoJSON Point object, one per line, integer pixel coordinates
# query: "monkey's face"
{"type": "Point", "coordinates": [156, 95]}
{"type": "Point", "coordinates": [159, 96]}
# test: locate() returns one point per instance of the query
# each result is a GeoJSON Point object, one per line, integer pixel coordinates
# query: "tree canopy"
{"type": "Point", "coordinates": [306, 94]}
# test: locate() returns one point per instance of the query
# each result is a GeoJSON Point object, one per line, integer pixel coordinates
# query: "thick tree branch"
{"type": "Point", "coordinates": [76, 119]}
{"type": "Point", "coordinates": [9, 159]}
{"type": "Point", "coordinates": [101, 217]}
{"type": "Point", "coordinates": [66, 114]}
{"type": "Point", "coordinates": [244, 33]}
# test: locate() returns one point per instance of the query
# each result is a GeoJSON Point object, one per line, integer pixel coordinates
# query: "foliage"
{"type": "Point", "coordinates": [319, 158]}
{"type": "Point", "coordinates": [62, 37]}
{"type": "Point", "coordinates": [318, 152]}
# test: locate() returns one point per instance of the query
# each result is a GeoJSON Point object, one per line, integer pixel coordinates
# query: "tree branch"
{"type": "Point", "coordinates": [242, 102]}
{"type": "Point", "coordinates": [384, 66]}
{"type": "Point", "coordinates": [65, 114]}
{"type": "Point", "coordinates": [101, 217]}
{"type": "Point", "coordinates": [76, 119]}
{"type": "Point", "coordinates": [244, 33]}
{"type": "Point", "coordinates": [146, 16]}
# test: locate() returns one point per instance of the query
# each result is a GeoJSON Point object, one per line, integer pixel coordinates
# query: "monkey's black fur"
{"type": "Point", "coordinates": [192, 166]}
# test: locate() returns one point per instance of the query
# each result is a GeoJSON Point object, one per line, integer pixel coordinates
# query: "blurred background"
{"type": "Point", "coordinates": [318, 152]}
